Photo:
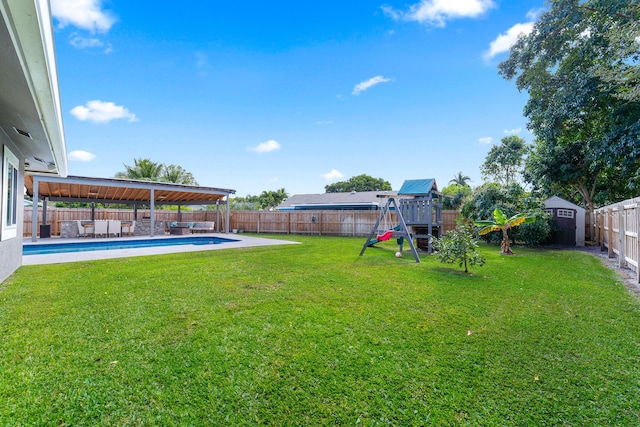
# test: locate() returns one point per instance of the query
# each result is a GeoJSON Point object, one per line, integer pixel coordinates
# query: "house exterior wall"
{"type": "Point", "coordinates": [11, 249]}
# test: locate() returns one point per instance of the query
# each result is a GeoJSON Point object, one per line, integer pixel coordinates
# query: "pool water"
{"type": "Point", "coordinates": [105, 245]}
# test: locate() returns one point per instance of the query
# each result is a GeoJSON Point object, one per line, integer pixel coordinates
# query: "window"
{"type": "Point", "coordinates": [9, 195]}
{"type": "Point", "coordinates": [565, 213]}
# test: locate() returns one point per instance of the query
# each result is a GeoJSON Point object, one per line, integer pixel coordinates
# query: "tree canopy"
{"type": "Point", "coordinates": [358, 183]}
{"type": "Point", "coordinates": [460, 179]}
{"type": "Point", "coordinates": [266, 200]}
{"type": "Point", "coordinates": [504, 162]}
{"type": "Point", "coordinates": [148, 170]}
{"type": "Point", "coordinates": [580, 66]}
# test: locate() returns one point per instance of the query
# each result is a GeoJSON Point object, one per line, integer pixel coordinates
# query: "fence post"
{"type": "Point", "coordinates": [622, 216]}
{"type": "Point", "coordinates": [610, 234]}
{"type": "Point", "coordinates": [637, 243]}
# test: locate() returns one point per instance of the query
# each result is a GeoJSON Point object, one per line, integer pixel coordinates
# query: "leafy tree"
{"type": "Point", "coordinates": [143, 169]}
{"type": "Point", "coordinates": [502, 223]}
{"type": "Point", "coordinates": [504, 162]}
{"type": "Point", "coordinates": [248, 203]}
{"type": "Point", "coordinates": [580, 67]}
{"type": "Point", "coordinates": [271, 199]}
{"type": "Point", "coordinates": [177, 175]}
{"type": "Point", "coordinates": [455, 195]}
{"type": "Point", "coordinates": [459, 245]}
{"type": "Point", "coordinates": [266, 200]}
{"type": "Point", "coordinates": [358, 183]}
{"type": "Point", "coordinates": [510, 199]}
{"type": "Point", "coordinates": [460, 179]}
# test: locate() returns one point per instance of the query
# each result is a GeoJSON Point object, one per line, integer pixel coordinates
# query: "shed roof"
{"type": "Point", "coordinates": [559, 202]}
{"type": "Point", "coordinates": [418, 187]}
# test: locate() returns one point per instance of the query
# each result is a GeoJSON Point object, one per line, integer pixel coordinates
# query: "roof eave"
{"type": "Point", "coordinates": [29, 24]}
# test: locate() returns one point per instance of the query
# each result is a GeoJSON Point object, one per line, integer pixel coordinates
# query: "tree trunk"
{"type": "Point", "coordinates": [505, 245]}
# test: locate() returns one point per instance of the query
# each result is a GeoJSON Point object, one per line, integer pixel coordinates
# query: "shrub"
{"type": "Point", "coordinates": [459, 245]}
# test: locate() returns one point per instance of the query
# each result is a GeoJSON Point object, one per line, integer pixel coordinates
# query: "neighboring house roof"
{"type": "Point", "coordinates": [354, 200]}
{"type": "Point", "coordinates": [30, 113]}
{"type": "Point", "coordinates": [418, 187]}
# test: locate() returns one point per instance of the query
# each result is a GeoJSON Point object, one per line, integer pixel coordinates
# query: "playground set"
{"type": "Point", "coordinates": [418, 213]}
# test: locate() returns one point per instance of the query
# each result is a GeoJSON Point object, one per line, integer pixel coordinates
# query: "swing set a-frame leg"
{"type": "Point", "coordinates": [402, 233]}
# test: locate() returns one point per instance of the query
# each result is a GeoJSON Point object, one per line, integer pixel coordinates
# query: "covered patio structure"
{"type": "Point", "coordinates": [120, 191]}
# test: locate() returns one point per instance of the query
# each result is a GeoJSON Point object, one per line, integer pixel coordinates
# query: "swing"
{"type": "Point", "coordinates": [385, 233]}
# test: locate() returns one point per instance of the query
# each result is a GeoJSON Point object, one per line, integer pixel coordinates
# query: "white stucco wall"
{"type": "Point", "coordinates": [11, 249]}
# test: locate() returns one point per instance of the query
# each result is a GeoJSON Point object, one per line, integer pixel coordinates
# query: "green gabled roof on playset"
{"type": "Point", "coordinates": [418, 187]}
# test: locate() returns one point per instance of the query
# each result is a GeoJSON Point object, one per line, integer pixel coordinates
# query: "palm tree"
{"type": "Point", "coordinates": [143, 170]}
{"type": "Point", "coordinates": [460, 179]}
{"type": "Point", "coordinates": [177, 175]}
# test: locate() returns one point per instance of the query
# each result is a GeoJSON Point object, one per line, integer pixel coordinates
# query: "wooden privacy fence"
{"type": "Point", "coordinates": [617, 229]}
{"type": "Point", "coordinates": [321, 223]}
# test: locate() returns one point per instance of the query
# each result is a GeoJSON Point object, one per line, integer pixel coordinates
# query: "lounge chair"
{"type": "Point", "coordinates": [115, 227]}
{"type": "Point", "coordinates": [101, 228]}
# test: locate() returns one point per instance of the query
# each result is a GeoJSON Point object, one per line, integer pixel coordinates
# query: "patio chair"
{"type": "Point", "coordinates": [115, 227]}
{"type": "Point", "coordinates": [101, 228]}
{"type": "Point", "coordinates": [130, 227]}
{"type": "Point", "coordinates": [83, 229]}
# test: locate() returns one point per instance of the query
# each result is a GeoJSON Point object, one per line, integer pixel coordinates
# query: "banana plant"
{"type": "Point", "coordinates": [501, 222]}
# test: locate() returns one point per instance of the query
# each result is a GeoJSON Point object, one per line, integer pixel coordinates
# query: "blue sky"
{"type": "Point", "coordinates": [257, 96]}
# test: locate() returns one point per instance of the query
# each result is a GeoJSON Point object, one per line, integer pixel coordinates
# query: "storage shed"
{"type": "Point", "coordinates": [569, 220]}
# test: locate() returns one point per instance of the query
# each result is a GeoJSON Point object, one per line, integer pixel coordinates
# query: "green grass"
{"type": "Point", "coordinates": [313, 334]}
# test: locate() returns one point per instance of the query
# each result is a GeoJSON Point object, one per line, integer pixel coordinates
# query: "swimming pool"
{"type": "Point", "coordinates": [105, 245]}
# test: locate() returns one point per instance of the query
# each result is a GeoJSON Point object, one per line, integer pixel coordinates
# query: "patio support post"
{"type": "Point", "coordinates": [217, 216]}
{"type": "Point", "coordinates": [44, 211]}
{"type": "Point", "coordinates": [152, 219]}
{"type": "Point", "coordinates": [228, 216]}
{"type": "Point", "coordinates": [34, 210]}
{"type": "Point", "coordinates": [179, 214]}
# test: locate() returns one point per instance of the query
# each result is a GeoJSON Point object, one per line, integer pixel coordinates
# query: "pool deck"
{"type": "Point", "coordinates": [243, 241]}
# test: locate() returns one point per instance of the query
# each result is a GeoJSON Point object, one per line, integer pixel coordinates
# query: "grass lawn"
{"type": "Point", "coordinates": [313, 334]}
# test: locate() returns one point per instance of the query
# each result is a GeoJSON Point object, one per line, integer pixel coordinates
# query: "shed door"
{"type": "Point", "coordinates": [565, 221]}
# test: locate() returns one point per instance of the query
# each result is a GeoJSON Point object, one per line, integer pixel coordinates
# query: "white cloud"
{"type": "Point", "coordinates": [84, 42]}
{"type": "Point", "coordinates": [81, 42]}
{"type": "Point", "coordinates": [438, 12]}
{"type": "Point", "coordinates": [361, 87]}
{"type": "Point", "coordinates": [324, 122]}
{"type": "Point", "coordinates": [513, 131]}
{"type": "Point", "coordinates": [334, 174]}
{"type": "Point", "coordinates": [85, 14]}
{"type": "Point", "coordinates": [265, 147]}
{"type": "Point", "coordinates": [504, 41]}
{"type": "Point", "coordinates": [485, 140]}
{"type": "Point", "coordinates": [81, 156]}
{"type": "Point", "coordinates": [102, 112]}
